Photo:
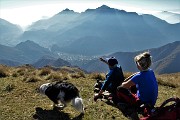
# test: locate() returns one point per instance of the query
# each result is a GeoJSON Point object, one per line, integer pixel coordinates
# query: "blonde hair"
{"type": "Point", "coordinates": [144, 60]}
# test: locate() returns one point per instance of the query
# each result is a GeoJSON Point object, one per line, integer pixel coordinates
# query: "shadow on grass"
{"type": "Point", "coordinates": [127, 110]}
{"type": "Point", "coordinates": [53, 115]}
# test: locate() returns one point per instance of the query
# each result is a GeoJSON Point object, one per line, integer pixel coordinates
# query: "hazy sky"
{"type": "Point", "coordinates": [24, 12]}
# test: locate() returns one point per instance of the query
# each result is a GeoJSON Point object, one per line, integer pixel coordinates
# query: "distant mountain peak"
{"type": "Point", "coordinates": [107, 9]}
{"type": "Point", "coordinates": [66, 11]}
{"type": "Point", "coordinates": [104, 7]}
{"type": "Point", "coordinates": [27, 44]}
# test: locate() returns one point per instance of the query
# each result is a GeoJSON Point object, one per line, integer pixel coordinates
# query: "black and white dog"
{"type": "Point", "coordinates": [62, 93]}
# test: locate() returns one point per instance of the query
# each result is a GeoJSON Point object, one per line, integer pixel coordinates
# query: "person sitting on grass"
{"type": "Point", "coordinates": [113, 79]}
{"type": "Point", "coordinates": [145, 81]}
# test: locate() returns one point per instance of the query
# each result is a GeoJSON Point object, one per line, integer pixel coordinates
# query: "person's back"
{"type": "Point", "coordinates": [145, 80]}
{"type": "Point", "coordinates": [115, 79]}
{"type": "Point", "coordinates": [147, 86]}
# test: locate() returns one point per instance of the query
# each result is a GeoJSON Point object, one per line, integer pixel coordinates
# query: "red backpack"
{"type": "Point", "coordinates": [165, 112]}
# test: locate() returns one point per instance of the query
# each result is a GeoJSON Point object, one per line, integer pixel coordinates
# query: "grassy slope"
{"type": "Point", "coordinates": [19, 99]}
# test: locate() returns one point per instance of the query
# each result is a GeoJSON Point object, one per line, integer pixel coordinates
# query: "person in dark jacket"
{"type": "Point", "coordinates": [113, 78]}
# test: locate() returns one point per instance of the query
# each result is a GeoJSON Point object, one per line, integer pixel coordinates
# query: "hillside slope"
{"type": "Point", "coordinates": [9, 32]}
{"type": "Point", "coordinates": [165, 59]}
{"type": "Point", "coordinates": [24, 53]}
{"type": "Point", "coordinates": [19, 98]}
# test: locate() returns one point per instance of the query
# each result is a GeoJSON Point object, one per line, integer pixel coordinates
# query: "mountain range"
{"type": "Point", "coordinates": [78, 39]}
{"type": "Point", "coordinates": [171, 17]}
{"type": "Point", "coordinates": [50, 61]}
{"type": "Point", "coordinates": [165, 58]}
{"type": "Point", "coordinates": [99, 31]}
{"type": "Point", "coordinates": [24, 53]}
{"type": "Point", "coordinates": [9, 32]}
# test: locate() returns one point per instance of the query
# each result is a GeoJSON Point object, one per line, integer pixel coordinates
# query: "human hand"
{"type": "Point", "coordinates": [101, 59]}
{"type": "Point", "coordinates": [119, 88]}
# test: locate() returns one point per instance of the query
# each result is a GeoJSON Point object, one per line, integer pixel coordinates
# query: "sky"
{"type": "Point", "coordinates": [24, 12]}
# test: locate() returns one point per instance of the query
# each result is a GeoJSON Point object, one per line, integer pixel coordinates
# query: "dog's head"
{"type": "Point", "coordinates": [43, 87]}
{"type": "Point", "coordinates": [78, 104]}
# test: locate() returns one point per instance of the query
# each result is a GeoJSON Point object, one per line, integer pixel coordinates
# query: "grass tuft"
{"type": "Point", "coordinates": [55, 77]}
{"type": "Point", "coordinates": [3, 71]}
{"type": "Point", "coordinates": [32, 79]}
{"type": "Point", "coordinates": [78, 75]}
{"type": "Point", "coordinates": [9, 88]}
{"type": "Point", "coordinates": [45, 71]}
{"type": "Point", "coordinates": [96, 76]}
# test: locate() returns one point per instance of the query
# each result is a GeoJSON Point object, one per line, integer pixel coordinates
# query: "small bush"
{"type": "Point", "coordinates": [9, 87]}
{"type": "Point", "coordinates": [99, 76]}
{"type": "Point", "coordinates": [78, 75]}
{"type": "Point", "coordinates": [3, 73]}
{"type": "Point", "coordinates": [55, 76]}
{"type": "Point", "coordinates": [14, 74]}
{"type": "Point", "coordinates": [45, 71]}
{"type": "Point", "coordinates": [32, 79]}
{"type": "Point", "coordinates": [171, 80]}
{"type": "Point", "coordinates": [21, 71]}
{"type": "Point", "coordinates": [165, 83]}
{"type": "Point", "coordinates": [82, 74]}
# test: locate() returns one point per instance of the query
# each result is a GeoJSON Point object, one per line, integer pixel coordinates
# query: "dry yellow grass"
{"type": "Point", "coordinates": [19, 99]}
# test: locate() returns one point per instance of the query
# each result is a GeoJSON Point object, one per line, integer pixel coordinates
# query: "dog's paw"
{"type": "Point", "coordinates": [58, 106]}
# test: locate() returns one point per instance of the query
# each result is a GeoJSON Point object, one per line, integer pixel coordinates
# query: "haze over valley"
{"type": "Point", "coordinates": [78, 39]}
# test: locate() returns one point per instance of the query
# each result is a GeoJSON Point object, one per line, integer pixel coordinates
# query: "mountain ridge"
{"type": "Point", "coordinates": [118, 30]}
{"type": "Point", "coordinates": [95, 32]}
{"type": "Point", "coordinates": [9, 32]}
{"type": "Point", "coordinates": [165, 60]}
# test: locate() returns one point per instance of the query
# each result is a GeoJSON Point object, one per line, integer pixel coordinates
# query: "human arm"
{"type": "Point", "coordinates": [103, 88]}
{"type": "Point", "coordinates": [101, 59]}
{"type": "Point", "coordinates": [108, 80]}
{"type": "Point", "coordinates": [130, 81]}
{"type": "Point", "coordinates": [130, 76]}
{"type": "Point", "coordinates": [127, 84]}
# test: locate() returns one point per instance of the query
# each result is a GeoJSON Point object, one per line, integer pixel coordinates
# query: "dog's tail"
{"type": "Point", "coordinates": [78, 104]}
